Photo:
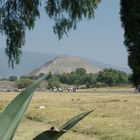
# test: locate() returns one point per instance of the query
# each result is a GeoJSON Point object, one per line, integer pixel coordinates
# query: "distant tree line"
{"type": "Point", "coordinates": [107, 77]}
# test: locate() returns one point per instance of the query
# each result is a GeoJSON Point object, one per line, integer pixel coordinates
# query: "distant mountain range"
{"type": "Point", "coordinates": [104, 65]}
{"type": "Point", "coordinates": [32, 60]}
{"type": "Point", "coordinates": [29, 61]}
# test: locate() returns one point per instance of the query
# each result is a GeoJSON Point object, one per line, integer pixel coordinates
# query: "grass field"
{"type": "Point", "coordinates": [116, 115]}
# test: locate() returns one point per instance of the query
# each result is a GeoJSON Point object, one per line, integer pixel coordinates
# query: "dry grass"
{"type": "Point", "coordinates": [117, 114]}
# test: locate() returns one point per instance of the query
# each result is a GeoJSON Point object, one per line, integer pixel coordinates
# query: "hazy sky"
{"type": "Point", "coordinates": [100, 39]}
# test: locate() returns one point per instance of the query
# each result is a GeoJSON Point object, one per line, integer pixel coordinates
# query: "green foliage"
{"type": "Point", "coordinates": [108, 77]}
{"type": "Point", "coordinates": [123, 77]}
{"type": "Point", "coordinates": [91, 80]}
{"type": "Point", "coordinates": [15, 18]}
{"type": "Point", "coordinates": [23, 83]}
{"type": "Point", "coordinates": [67, 13]}
{"type": "Point", "coordinates": [69, 124]}
{"type": "Point", "coordinates": [13, 78]}
{"type": "Point", "coordinates": [80, 71]}
{"type": "Point", "coordinates": [130, 17]}
{"type": "Point", "coordinates": [18, 16]}
{"type": "Point", "coordinates": [13, 113]}
{"type": "Point", "coordinates": [112, 77]}
{"type": "Point", "coordinates": [78, 77]}
{"type": "Point", "coordinates": [54, 134]}
{"type": "Point", "coordinates": [53, 82]}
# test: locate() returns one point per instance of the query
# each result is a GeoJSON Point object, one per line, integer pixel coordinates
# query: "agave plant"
{"type": "Point", "coordinates": [10, 118]}
{"type": "Point", "coordinates": [54, 134]}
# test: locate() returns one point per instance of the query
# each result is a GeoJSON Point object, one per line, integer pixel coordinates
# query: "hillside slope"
{"type": "Point", "coordinates": [65, 64]}
{"type": "Point", "coordinates": [29, 61]}
{"type": "Point", "coordinates": [33, 60]}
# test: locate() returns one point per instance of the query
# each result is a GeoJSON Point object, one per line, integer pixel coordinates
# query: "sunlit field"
{"type": "Point", "coordinates": [116, 115]}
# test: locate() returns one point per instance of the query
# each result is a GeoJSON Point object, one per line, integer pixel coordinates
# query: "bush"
{"type": "Point", "coordinates": [23, 83]}
{"type": "Point", "coordinates": [13, 78]}
{"type": "Point", "coordinates": [54, 82]}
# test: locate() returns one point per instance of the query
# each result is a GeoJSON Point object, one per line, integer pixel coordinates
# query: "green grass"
{"type": "Point", "coordinates": [117, 114]}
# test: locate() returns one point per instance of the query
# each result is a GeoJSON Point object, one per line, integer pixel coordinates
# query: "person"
{"type": "Point", "coordinates": [137, 89]}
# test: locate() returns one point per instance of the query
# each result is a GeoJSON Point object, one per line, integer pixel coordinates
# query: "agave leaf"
{"type": "Point", "coordinates": [48, 135]}
{"type": "Point", "coordinates": [69, 124]}
{"type": "Point", "coordinates": [13, 113]}
{"type": "Point", "coordinates": [55, 134]}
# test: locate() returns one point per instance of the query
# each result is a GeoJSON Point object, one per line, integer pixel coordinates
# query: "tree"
{"type": "Point", "coordinates": [13, 78]}
{"type": "Point", "coordinates": [80, 71]}
{"type": "Point", "coordinates": [123, 78]}
{"type": "Point", "coordinates": [130, 17]}
{"type": "Point", "coordinates": [54, 82]}
{"type": "Point", "coordinates": [80, 76]}
{"type": "Point", "coordinates": [113, 77]}
{"type": "Point", "coordinates": [18, 16]}
{"type": "Point", "coordinates": [91, 80]}
{"type": "Point", "coordinates": [23, 83]}
{"type": "Point", "coordinates": [107, 76]}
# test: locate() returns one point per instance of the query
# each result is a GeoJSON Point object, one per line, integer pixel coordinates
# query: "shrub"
{"type": "Point", "coordinates": [23, 83]}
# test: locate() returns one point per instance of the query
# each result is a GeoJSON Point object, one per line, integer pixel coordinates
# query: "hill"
{"type": "Point", "coordinates": [33, 60]}
{"type": "Point", "coordinates": [65, 64]}
{"type": "Point", "coordinates": [104, 65]}
{"type": "Point", "coordinates": [29, 61]}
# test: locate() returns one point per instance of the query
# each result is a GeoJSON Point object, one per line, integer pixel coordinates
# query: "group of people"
{"type": "Point", "coordinates": [71, 89]}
